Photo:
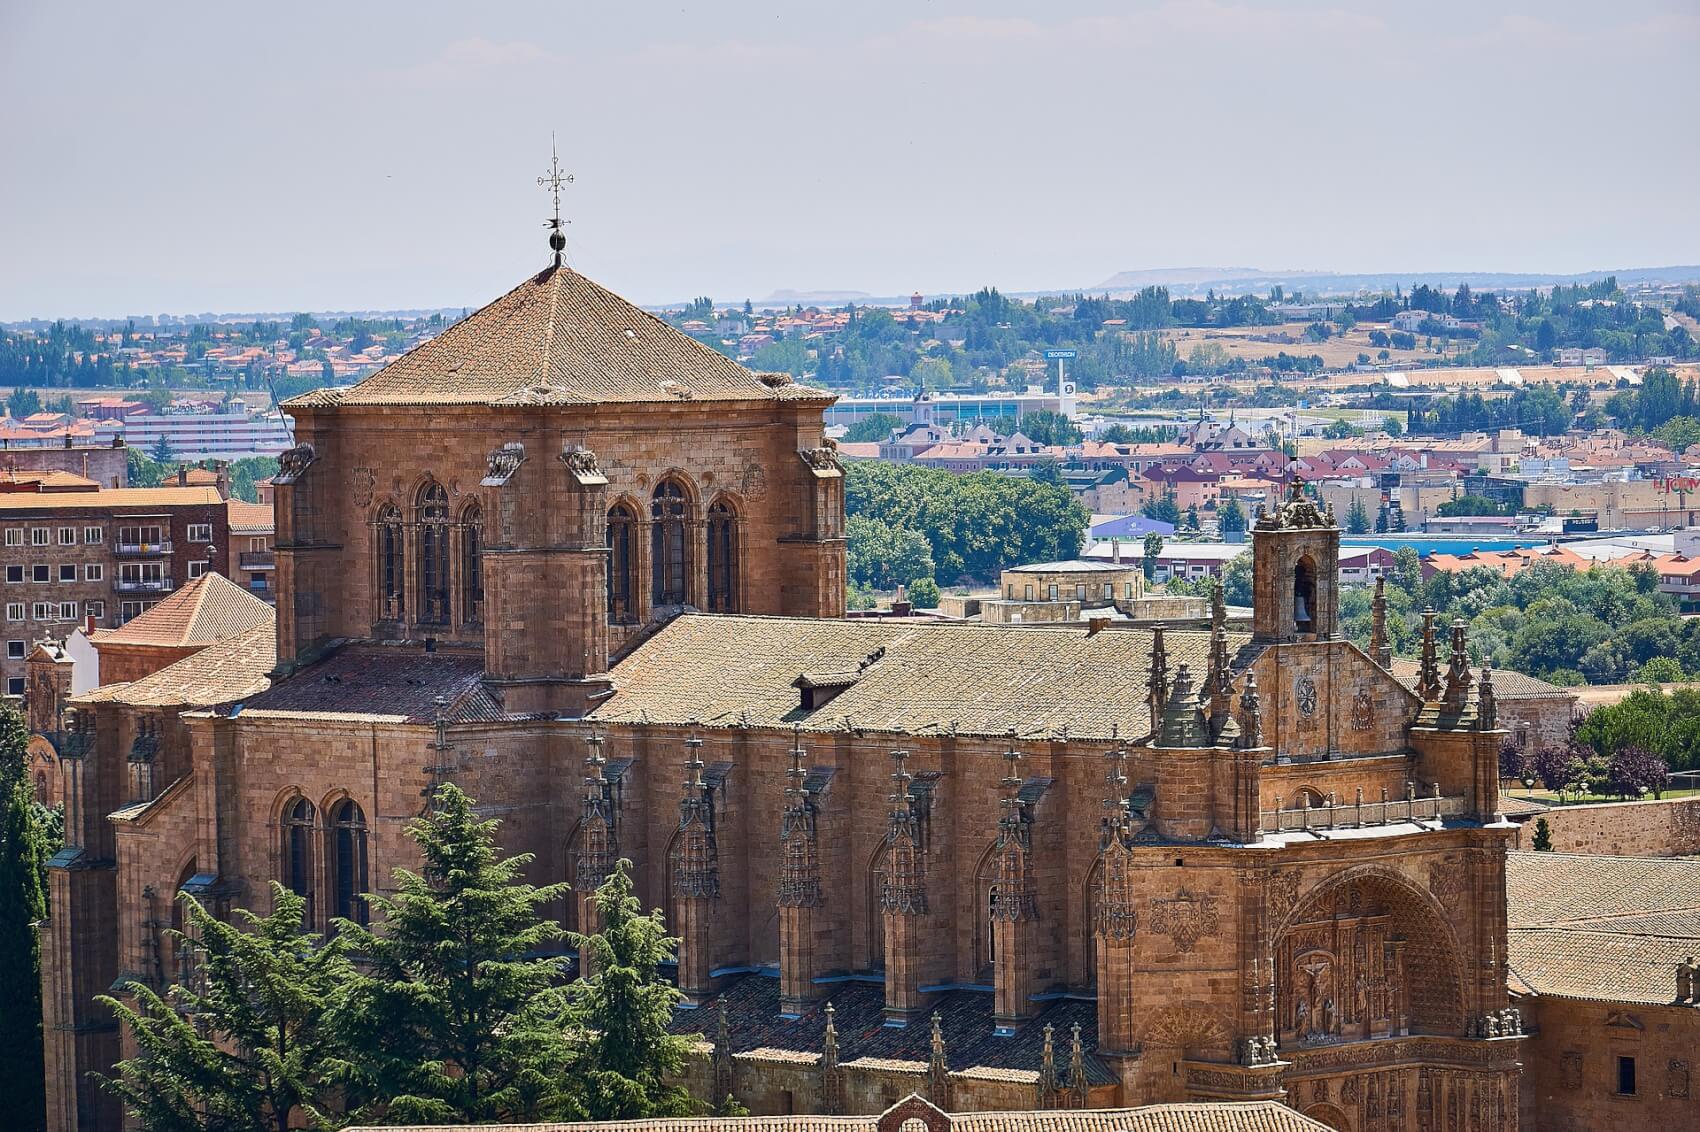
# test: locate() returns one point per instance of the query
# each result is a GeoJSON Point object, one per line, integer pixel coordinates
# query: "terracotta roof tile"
{"type": "Point", "coordinates": [208, 609]}
{"type": "Point", "coordinates": [221, 673]}
{"type": "Point", "coordinates": [559, 339]}
{"type": "Point", "coordinates": [250, 518]}
{"type": "Point", "coordinates": [1507, 684]}
{"type": "Point", "coordinates": [395, 683]}
{"type": "Point", "coordinates": [916, 677]}
{"type": "Point", "coordinates": [110, 497]}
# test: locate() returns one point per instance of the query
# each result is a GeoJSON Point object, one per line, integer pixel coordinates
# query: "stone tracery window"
{"type": "Point", "coordinates": [433, 517]}
{"type": "Point", "coordinates": [298, 851]}
{"type": "Point", "coordinates": [622, 566]}
{"type": "Point", "coordinates": [391, 570]}
{"type": "Point", "coordinates": [348, 852]}
{"type": "Point", "coordinates": [669, 538]}
{"type": "Point", "coordinates": [722, 558]}
{"type": "Point", "coordinates": [471, 563]}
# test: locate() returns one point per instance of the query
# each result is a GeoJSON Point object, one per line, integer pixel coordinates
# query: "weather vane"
{"type": "Point", "coordinates": [554, 181]}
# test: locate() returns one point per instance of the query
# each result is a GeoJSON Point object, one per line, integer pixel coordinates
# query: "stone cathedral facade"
{"type": "Point", "coordinates": [593, 573]}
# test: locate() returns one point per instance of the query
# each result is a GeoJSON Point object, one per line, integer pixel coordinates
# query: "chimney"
{"type": "Point", "coordinates": [88, 625]}
{"type": "Point", "coordinates": [221, 478]}
{"type": "Point", "coordinates": [1096, 625]}
{"type": "Point", "coordinates": [1116, 551]}
{"type": "Point", "coordinates": [182, 475]}
{"type": "Point", "coordinates": [901, 606]}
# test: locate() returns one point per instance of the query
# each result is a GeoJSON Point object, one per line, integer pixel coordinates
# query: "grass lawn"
{"type": "Point", "coordinates": [1548, 798]}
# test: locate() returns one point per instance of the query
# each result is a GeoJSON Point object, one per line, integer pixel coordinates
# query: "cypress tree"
{"type": "Point", "coordinates": [621, 1011]}
{"type": "Point", "coordinates": [23, 902]}
{"type": "Point", "coordinates": [246, 1046]}
{"type": "Point", "coordinates": [456, 1016]}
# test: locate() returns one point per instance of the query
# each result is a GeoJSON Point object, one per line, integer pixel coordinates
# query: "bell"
{"type": "Point", "coordinates": [1301, 612]}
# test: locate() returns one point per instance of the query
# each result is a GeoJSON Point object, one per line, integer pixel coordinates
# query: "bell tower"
{"type": "Point", "coordinates": [1295, 552]}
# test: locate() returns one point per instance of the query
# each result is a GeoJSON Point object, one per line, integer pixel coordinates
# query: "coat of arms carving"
{"type": "Point", "coordinates": [755, 482]}
{"type": "Point", "coordinates": [1185, 919]}
{"type": "Point", "coordinates": [361, 483]}
{"type": "Point", "coordinates": [1304, 696]}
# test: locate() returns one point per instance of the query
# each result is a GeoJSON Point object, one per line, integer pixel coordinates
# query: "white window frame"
{"type": "Point", "coordinates": [41, 536]}
{"type": "Point", "coordinates": [42, 611]}
{"type": "Point", "coordinates": [93, 535]}
{"type": "Point", "coordinates": [200, 532]}
{"type": "Point", "coordinates": [14, 536]}
{"type": "Point", "coordinates": [14, 685]}
{"type": "Point", "coordinates": [15, 611]}
{"type": "Point", "coordinates": [67, 611]}
{"type": "Point", "coordinates": [65, 567]}
{"type": "Point", "coordinates": [14, 650]}
{"type": "Point", "coordinates": [198, 568]}
{"type": "Point", "coordinates": [17, 566]}
{"type": "Point", "coordinates": [39, 568]}
{"type": "Point", "coordinates": [95, 609]}
{"type": "Point", "coordinates": [94, 572]}
{"type": "Point", "coordinates": [67, 536]}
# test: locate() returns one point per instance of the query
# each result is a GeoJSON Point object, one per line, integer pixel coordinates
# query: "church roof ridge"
{"type": "Point", "coordinates": [559, 338]}
{"type": "Point", "coordinates": [210, 608]}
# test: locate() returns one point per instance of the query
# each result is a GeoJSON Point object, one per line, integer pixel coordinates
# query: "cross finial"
{"type": "Point", "coordinates": [900, 776]}
{"type": "Point", "coordinates": [554, 180]}
{"type": "Point", "coordinates": [595, 760]}
{"type": "Point", "coordinates": [798, 773]}
{"type": "Point", "coordinates": [693, 763]}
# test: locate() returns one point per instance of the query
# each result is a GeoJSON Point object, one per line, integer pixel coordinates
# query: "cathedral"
{"type": "Point", "coordinates": [593, 573]}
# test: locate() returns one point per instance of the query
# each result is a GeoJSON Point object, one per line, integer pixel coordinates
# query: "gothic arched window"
{"type": "Point", "coordinates": [669, 544]}
{"type": "Point", "coordinates": [390, 568]}
{"type": "Point", "coordinates": [298, 851]}
{"type": "Point", "coordinates": [471, 564]}
{"type": "Point", "coordinates": [722, 558]}
{"type": "Point", "coordinates": [1304, 595]}
{"type": "Point", "coordinates": [433, 517]}
{"type": "Point", "coordinates": [348, 854]}
{"type": "Point", "coordinates": [622, 570]}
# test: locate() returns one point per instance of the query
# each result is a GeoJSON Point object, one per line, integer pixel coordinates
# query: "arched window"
{"type": "Point", "coordinates": [348, 853]}
{"type": "Point", "coordinates": [298, 851]}
{"type": "Point", "coordinates": [471, 564]}
{"type": "Point", "coordinates": [722, 558]}
{"type": "Point", "coordinates": [622, 570]}
{"type": "Point", "coordinates": [390, 569]}
{"type": "Point", "coordinates": [433, 516]}
{"type": "Point", "coordinates": [1304, 595]}
{"type": "Point", "coordinates": [669, 544]}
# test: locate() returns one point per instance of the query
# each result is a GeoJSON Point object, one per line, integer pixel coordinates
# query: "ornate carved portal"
{"type": "Point", "coordinates": [1341, 977]}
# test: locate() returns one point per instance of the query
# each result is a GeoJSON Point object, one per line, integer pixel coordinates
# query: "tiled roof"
{"type": "Point", "coordinates": [221, 673]}
{"type": "Point", "coordinates": [1218, 1116]}
{"type": "Point", "coordinates": [559, 339]}
{"type": "Point", "coordinates": [250, 518]}
{"type": "Point", "coordinates": [116, 498]}
{"type": "Point", "coordinates": [916, 677]}
{"type": "Point", "coordinates": [1507, 684]}
{"type": "Point", "coordinates": [1608, 928]}
{"type": "Point", "coordinates": [389, 683]}
{"type": "Point", "coordinates": [208, 609]}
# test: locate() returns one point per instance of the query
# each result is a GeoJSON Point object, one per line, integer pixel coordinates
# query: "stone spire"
{"type": "Point", "coordinates": [831, 1076]}
{"type": "Point", "coordinates": [1220, 679]}
{"type": "Point", "coordinates": [601, 842]}
{"type": "Point", "coordinates": [1458, 681]}
{"type": "Point", "coordinates": [1487, 707]}
{"type": "Point", "coordinates": [1014, 897]}
{"type": "Point", "coordinates": [906, 885]}
{"type": "Point", "coordinates": [1251, 713]}
{"type": "Point", "coordinates": [1428, 680]}
{"type": "Point", "coordinates": [1381, 651]}
{"type": "Point", "coordinates": [938, 1069]}
{"type": "Point", "coordinates": [1159, 678]}
{"type": "Point", "coordinates": [698, 869]}
{"type": "Point", "coordinates": [1045, 1090]}
{"type": "Point", "coordinates": [1076, 1069]}
{"type": "Point", "coordinates": [799, 868]}
{"type": "Point", "coordinates": [1182, 724]}
{"type": "Point", "coordinates": [722, 1052]}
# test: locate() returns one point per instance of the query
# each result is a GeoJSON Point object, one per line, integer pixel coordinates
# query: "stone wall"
{"type": "Point", "coordinates": [1668, 828]}
{"type": "Point", "coordinates": [1570, 1075]}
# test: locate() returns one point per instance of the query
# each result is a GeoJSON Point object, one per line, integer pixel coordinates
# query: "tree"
{"type": "Point", "coordinates": [1357, 519]}
{"type": "Point", "coordinates": [1634, 770]}
{"type": "Point", "coordinates": [932, 373]}
{"type": "Point", "coordinates": [1393, 427]}
{"type": "Point", "coordinates": [1660, 670]}
{"type": "Point", "coordinates": [1543, 836]}
{"type": "Point", "coordinates": [1236, 580]}
{"type": "Point", "coordinates": [23, 402]}
{"type": "Point", "coordinates": [456, 1016]}
{"type": "Point", "coordinates": [1191, 518]}
{"type": "Point", "coordinates": [1049, 427]}
{"type": "Point", "coordinates": [884, 558]}
{"type": "Point", "coordinates": [924, 593]}
{"type": "Point", "coordinates": [246, 1046]}
{"type": "Point", "coordinates": [874, 426]}
{"type": "Point", "coordinates": [23, 901]}
{"type": "Point", "coordinates": [1339, 430]}
{"type": "Point", "coordinates": [1153, 550]}
{"type": "Point", "coordinates": [1164, 508]}
{"type": "Point", "coordinates": [1551, 765]}
{"type": "Point", "coordinates": [161, 453]}
{"type": "Point", "coordinates": [1513, 762]}
{"type": "Point", "coordinates": [1231, 517]}
{"type": "Point", "coordinates": [622, 1010]}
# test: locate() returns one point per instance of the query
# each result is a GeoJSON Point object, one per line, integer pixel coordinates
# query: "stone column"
{"type": "Point", "coordinates": [799, 887]}
{"type": "Point", "coordinates": [1013, 910]}
{"type": "Point", "coordinates": [696, 879]}
{"type": "Point", "coordinates": [1117, 917]}
{"type": "Point", "coordinates": [903, 903]}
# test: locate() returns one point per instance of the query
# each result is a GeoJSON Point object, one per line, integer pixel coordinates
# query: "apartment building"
{"type": "Point", "coordinates": [196, 436]}
{"type": "Point", "coordinates": [74, 552]}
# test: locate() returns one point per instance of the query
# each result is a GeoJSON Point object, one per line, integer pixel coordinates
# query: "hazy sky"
{"type": "Point", "coordinates": [171, 157]}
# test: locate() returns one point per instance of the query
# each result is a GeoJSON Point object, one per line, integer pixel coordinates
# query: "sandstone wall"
{"type": "Point", "coordinates": [1669, 828]}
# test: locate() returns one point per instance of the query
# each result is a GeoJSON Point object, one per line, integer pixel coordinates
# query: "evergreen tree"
{"type": "Point", "coordinates": [1232, 516]}
{"type": "Point", "coordinates": [245, 1047]}
{"type": "Point", "coordinates": [1357, 519]}
{"type": "Point", "coordinates": [161, 450]}
{"type": "Point", "coordinates": [457, 1014]}
{"type": "Point", "coordinates": [622, 1010]}
{"type": "Point", "coordinates": [1153, 548]}
{"type": "Point", "coordinates": [23, 901]}
{"type": "Point", "coordinates": [1543, 836]}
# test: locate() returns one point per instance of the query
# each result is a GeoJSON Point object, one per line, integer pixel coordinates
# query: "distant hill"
{"type": "Point", "coordinates": [786, 298]}
{"type": "Point", "coordinates": [1248, 280]}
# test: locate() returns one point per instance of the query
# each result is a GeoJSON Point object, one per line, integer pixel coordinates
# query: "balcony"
{"type": "Point", "coordinates": [142, 549]}
{"type": "Point", "coordinates": [143, 585]}
{"type": "Point", "coordinates": [1359, 814]}
{"type": "Point", "coordinates": [257, 559]}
